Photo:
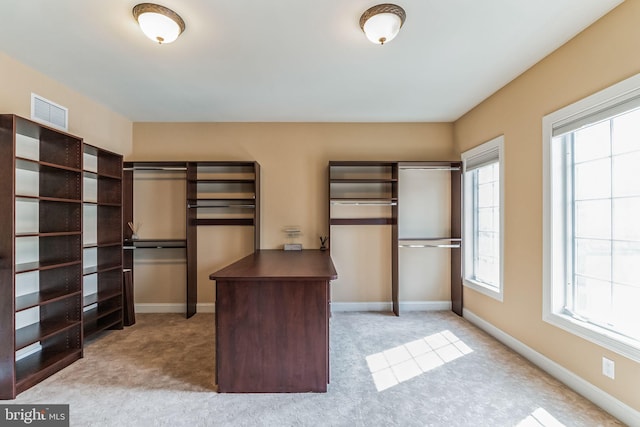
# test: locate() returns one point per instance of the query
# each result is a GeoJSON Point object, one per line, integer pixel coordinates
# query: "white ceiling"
{"type": "Point", "coordinates": [290, 60]}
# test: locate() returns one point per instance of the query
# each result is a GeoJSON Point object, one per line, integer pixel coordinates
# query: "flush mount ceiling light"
{"type": "Point", "coordinates": [159, 23]}
{"type": "Point", "coordinates": [382, 23]}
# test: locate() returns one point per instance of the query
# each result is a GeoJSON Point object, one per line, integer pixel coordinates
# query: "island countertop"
{"type": "Point", "coordinates": [273, 264]}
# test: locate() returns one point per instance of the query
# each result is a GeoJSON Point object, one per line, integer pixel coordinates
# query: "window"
{"type": "Point", "coordinates": [592, 211]}
{"type": "Point", "coordinates": [483, 203]}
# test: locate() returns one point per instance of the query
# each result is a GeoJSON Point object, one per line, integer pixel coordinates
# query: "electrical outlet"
{"type": "Point", "coordinates": [608, 368]}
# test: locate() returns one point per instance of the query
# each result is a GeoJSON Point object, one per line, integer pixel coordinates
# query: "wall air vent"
{"type": "Point", "coordinates": [49, 113]}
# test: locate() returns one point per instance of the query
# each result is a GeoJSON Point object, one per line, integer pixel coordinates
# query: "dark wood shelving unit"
{"type": "Point", "coordinates": [130, 245]}
{"type": "Point", "coordinates": [103, 290]}
{"type": "Point", "coordinates": [219, 194]}
{"type": "Point", "coordinates": [362, 184]}
{"type": "Point", "coordinates": [40, 252]}
{"type": "Point", "coordinates": [224, 193]}
{"type": "Point", "coordinates": [452, 242]}
{"type": "Point", "coordinates": [372, 183]}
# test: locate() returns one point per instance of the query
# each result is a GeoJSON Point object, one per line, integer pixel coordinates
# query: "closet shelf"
{"type": "Point", "coordinates": [100, 297]}
{"type": "Point", "coordinates": [35, 266]}
{"type": "Point", "coordinates": [98, 175]}
{"type": "Point", "coordinates": [98, 313]}
{"type": "Point", "coordinates": [37, 165]}
{"type": "Point", "coordinates": [35, 299]}
{"type": "Point", "coordinates": [93, 325]}
{"type": "Point", "coordinates": [49, 234]}
{"type": "Point", "coordinates": [108, 175]}
{"type": "Point", "coordinates": [47, 199]}
{"type": "Point", "coordinates": [156, 166]}
{"type": "Point", "coordinates": [101, 245]}
{"type": "Point", "coordinates": [40, 331]}
{"type": "Point", "coordinates": [223, 221]}
{"type": "Point", "coordinates": [96, 269]}
{"type": "Point", "coordinates": [363, 221]}
{"type": "Point", "coordinates": [36, 367]}
{"type": "Point", "coordinates": [98, 203]}
{"type": "Point", "coordinates": [155, 244]}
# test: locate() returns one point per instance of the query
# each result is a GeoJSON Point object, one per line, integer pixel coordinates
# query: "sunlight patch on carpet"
{"type": "Point", "coordinates": [540, 418]}
{"type": "Point", "coordinates": [398, 364]}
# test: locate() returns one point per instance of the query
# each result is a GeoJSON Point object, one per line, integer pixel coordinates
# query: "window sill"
{"type": "Point", "coordinates": [484, 289]}
{"type": "Point", "coordinates": [619, 344]}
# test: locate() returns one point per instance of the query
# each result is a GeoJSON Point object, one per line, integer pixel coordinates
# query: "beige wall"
{"type": "Point", "coordinates": [294, 159]}
{"type": "Point", "coordinates": [602, 55]}
{"type": "Point", "coordinates": [87, 119]}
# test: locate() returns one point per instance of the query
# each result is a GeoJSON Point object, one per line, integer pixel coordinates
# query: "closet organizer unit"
{"type": "Point", "coordinates": [215, 193]}
{"type": "Point", "coordinates": [429, 232]}
{"type": "Point", "coordinates": [158, 251]}
{"type": "Point", "coordinates": [363, 219]}
{"type": "Point", "coordinates": [102, 241]}
{"type": "Point", "coordinates": [40, 253]}
{"type": "Point", "coordinates": [417, 207]}
{"type": "Point", "coordinates": [223, 208]}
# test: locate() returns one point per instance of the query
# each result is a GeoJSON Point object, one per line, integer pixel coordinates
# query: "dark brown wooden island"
{"type": "Point", "coordinates": [272, 322]}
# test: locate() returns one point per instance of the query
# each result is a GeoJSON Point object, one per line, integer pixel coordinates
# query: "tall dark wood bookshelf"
{"type": "Point", "coordinates": [102, 293]}
{"type": "Point", "coordinates": [363, 184]}
{"type": "Point", "coordinates": [40, 252]}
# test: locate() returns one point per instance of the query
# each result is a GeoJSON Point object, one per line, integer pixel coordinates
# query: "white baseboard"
{"type": "Point", "coordinates": [618, 409]}
{"type": "Point", "coordinates": [161, 307]}
{"type": "Point", "coordinates": [388, 306]}
{"type": "Point", "coordinates": [361, 306]}
{"type": "Point", "coordinates": [206, 307]}
{"type": "Point", "coordinates": [425, 306]}
{"type": "Point", "coordinates": [210, 307]}
{"type": "Point", "coordinates": [202, 307]}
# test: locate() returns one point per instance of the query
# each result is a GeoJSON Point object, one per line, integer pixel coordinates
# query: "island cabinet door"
{"type": "Point", "coordinates": [272, 336]}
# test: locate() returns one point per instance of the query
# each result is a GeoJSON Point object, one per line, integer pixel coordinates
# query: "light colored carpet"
{"type": "Point", "coordinates": [420, 369]}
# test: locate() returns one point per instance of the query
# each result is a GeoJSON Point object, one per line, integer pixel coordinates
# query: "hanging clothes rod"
{"type": "Point", "coordinates": [155, 168]}
{"type": "Point", "coordinates": [365, 203]}
{"type": "Point", "coordinates": [430, 239]}
{"type": "Point", "coordinates": [222, 206]}
{"type": "Point", "coordinates": [452, 246]}
{"type": "Point", "coordinates": [430, 168]}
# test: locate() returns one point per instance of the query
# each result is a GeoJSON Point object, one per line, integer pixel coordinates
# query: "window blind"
{"type": "Point", "coordinates": [607, 110]}
{"type": "Point", "coordinates": [484, 158]}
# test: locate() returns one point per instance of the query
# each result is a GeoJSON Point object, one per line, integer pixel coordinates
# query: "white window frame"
{"type": "Point", "coordinates": [554, 245]}
{"type": "Point", "coordinates": [490, 151]}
